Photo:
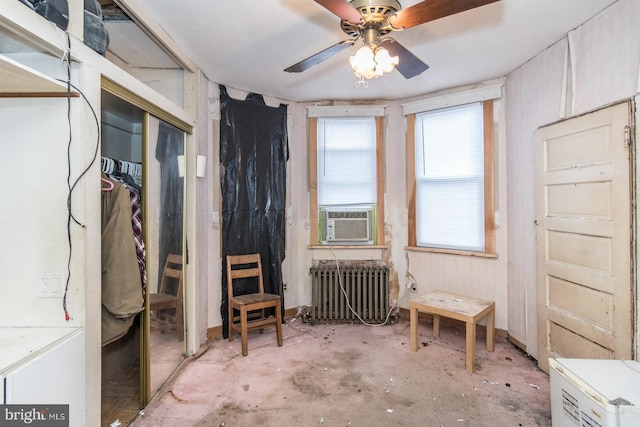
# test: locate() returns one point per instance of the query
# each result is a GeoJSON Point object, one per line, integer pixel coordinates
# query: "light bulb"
{"type": "Point", "coordinates": [385, 63]}
{"type": "Point", "coordinates": [362, 62]}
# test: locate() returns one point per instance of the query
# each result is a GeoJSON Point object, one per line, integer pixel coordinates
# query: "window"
{"type": "Point", "coordinates": [452, 193]}
{"type": "Point", "coordinates": [345, 154]}
{"type": "Point", "coordinates": [346, 161]}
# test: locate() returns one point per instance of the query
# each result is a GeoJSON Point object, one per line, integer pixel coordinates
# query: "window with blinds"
{"type": "Point", "coordinates": [449, 172]}
{"type": "Point", "coordinates": [346, 159]}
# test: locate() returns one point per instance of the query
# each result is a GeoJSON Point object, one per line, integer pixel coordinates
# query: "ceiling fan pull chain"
{"type": "Point", "coordinates": [362, 82]}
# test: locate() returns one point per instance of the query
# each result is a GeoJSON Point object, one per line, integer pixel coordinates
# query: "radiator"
{"type": "Point", "coordinates": [365, 283]}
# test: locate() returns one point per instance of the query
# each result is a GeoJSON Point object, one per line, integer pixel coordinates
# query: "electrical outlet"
{"type": "Point", "coordinates": [49, 285]}
{"type": "Point", "coordinates": [284, 286]}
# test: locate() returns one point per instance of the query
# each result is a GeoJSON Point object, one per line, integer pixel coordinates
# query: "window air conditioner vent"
{"type": "Point", "coordinates": [347, 225]}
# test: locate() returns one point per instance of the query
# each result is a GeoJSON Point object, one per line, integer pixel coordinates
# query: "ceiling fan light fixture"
{"type": "Point", "coordinates": [370, 62]}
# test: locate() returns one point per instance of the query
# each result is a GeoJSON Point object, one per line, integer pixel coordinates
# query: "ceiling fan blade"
{"type": "Point", "coordinates": [305, 64]}
{"type": "Point", "coordinates": [341, 8]}
{"type": "Point", "coordinates": [430, 10]}
{"type": "Point", "coordinates": [409, 65]}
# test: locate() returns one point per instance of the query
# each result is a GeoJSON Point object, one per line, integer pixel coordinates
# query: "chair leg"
{"type": "Point", "coordinates": [263, 316]}
{"type": "Point", "coordinates": [230, 321]}
{"type": "Point", "coordinates": [245, 332]}
{"type": "Point", "coordinates": [179, 322]}
{"type": "Point", "coordinates": [279, 323]}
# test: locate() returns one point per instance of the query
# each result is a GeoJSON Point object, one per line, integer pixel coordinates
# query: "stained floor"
{"type": "Point", "coordinates": [354, 375]}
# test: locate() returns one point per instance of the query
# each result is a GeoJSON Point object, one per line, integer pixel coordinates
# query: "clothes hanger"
{"type": "Point", "coordinates": [109, 185]}
{"type": "Point", "coordinates": [108, 165]}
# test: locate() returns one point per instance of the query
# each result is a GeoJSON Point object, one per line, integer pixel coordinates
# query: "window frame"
{"type": "Point", "coordinates": [489, 186]}
{"type": "Point", "coordinates": [314, 219]}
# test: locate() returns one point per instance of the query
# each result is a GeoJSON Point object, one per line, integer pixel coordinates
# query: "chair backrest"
{"type": "Point", "coordinates": [248, 266]}
{"type": "Point", "coordinates": [172, 270]}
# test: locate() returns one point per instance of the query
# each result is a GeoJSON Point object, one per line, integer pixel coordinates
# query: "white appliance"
{"type": "Point", "coordinates": [594, 393]}
{"type": "Point", "coordinates": [347, 225]}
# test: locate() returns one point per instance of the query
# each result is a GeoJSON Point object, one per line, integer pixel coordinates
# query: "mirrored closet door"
{"type": "Point", "coordinates": [164, 237]}
{"type": "Point", "coordinates": [142, 154]}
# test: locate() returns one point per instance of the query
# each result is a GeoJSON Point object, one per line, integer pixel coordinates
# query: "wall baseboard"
{"type": "Point", "coordinates": [522, 346]}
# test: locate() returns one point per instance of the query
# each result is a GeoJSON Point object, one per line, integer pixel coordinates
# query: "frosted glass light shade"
{"type": "Point", "coordinates": [385, 63]}
{"type": "Point", "coordinates": [367, 63]}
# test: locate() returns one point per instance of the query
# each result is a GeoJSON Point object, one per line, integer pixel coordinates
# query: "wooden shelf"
{"type": "Point", "coordinates": [17, 80]}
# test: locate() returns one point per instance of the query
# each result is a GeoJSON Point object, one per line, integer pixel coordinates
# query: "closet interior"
{"type": "Point", "coordinates": [142, 197]}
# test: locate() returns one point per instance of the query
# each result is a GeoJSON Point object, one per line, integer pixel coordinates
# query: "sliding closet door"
{"type": "Point", "coordinates": [164, 237]}
{"type": "Point", "coordinates": [134, 138]}
{"type": "Point", "coordinates": [121, 160]}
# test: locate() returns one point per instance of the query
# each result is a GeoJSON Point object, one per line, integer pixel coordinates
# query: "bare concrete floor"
{"type": "Point", "coordinates": [354, 375]}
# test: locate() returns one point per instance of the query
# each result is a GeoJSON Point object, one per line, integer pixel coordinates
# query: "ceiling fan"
{"type": "Point", "coordinates": [372, 20]}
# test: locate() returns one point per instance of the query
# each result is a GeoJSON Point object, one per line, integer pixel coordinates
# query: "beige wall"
{"type": "Point", "coordinates": [595, 65]}
{"type": "Point", "coordinates": [482, 277]}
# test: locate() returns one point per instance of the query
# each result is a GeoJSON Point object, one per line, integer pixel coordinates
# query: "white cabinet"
{"type": "Point", "coordinates": [45, 366]}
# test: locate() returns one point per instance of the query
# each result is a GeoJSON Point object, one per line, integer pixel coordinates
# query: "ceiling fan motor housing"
{"type": "Point", "coordinates": [374, 13]}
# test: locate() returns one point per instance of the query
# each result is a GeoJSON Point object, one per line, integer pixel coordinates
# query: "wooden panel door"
{"type": "Point", "coordinates": [583, 216]}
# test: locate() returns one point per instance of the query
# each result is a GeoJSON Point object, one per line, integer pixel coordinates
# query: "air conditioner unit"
{"type": "Point", "coordinates": [347, 225]}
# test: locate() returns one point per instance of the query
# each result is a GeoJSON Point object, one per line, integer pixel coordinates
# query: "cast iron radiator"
{"type": "Point", "coordinates": [365, 283]}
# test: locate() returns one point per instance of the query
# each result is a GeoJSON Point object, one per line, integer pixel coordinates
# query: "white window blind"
{"type": "Point", "coordinates": [346, 161]}
{"type": "Point", "coordinates": [450, 178]}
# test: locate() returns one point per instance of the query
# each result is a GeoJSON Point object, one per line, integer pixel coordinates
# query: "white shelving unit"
{"type": "Point", "coordinates": [18, 80]}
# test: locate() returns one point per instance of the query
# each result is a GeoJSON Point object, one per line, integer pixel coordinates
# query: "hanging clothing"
{"type": "Point", "coordinates": [130, 175]}
{"type": "Point", "coordinates": [122, 296]}
{"type": "Point", "coordinates": [136, 224]}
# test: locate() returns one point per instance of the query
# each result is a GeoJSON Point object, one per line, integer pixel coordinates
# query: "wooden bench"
{"type": "Point", "coordinates": [467, 309]}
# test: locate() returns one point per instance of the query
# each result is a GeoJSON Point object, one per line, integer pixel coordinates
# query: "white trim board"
{"type": "Point", "coordinates": [346, 111]}
{"type": "Point", "coordinates": [459, 98]}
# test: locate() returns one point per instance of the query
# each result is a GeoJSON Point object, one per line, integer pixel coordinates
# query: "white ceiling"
{"type": "Point", "coordinates": [246, 44]}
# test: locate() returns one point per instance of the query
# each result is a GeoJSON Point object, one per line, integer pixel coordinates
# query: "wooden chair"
{"type": "Point", "coordinates": [251, 306]}
{"type": "Point", "coordinates": [162, 320]}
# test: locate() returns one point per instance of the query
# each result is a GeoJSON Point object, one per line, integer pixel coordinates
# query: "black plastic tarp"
{"type": "Point", "coordinates": [253, 161]}
{"type": "Point", "coordinates": [169, 146]}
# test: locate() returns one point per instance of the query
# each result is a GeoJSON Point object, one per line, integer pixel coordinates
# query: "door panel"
{"type": "Point", "coordinates": [573, 345]}
{"type": "Point", "coordinates": [584, 302]}
{"type": "Point", "coordinates": [583, 236]}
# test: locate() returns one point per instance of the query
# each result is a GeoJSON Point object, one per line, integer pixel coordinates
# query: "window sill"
{"type": "Point", "coordinates": [347, 247]}
{"type": "Point", "coordinates": [451, 252]}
